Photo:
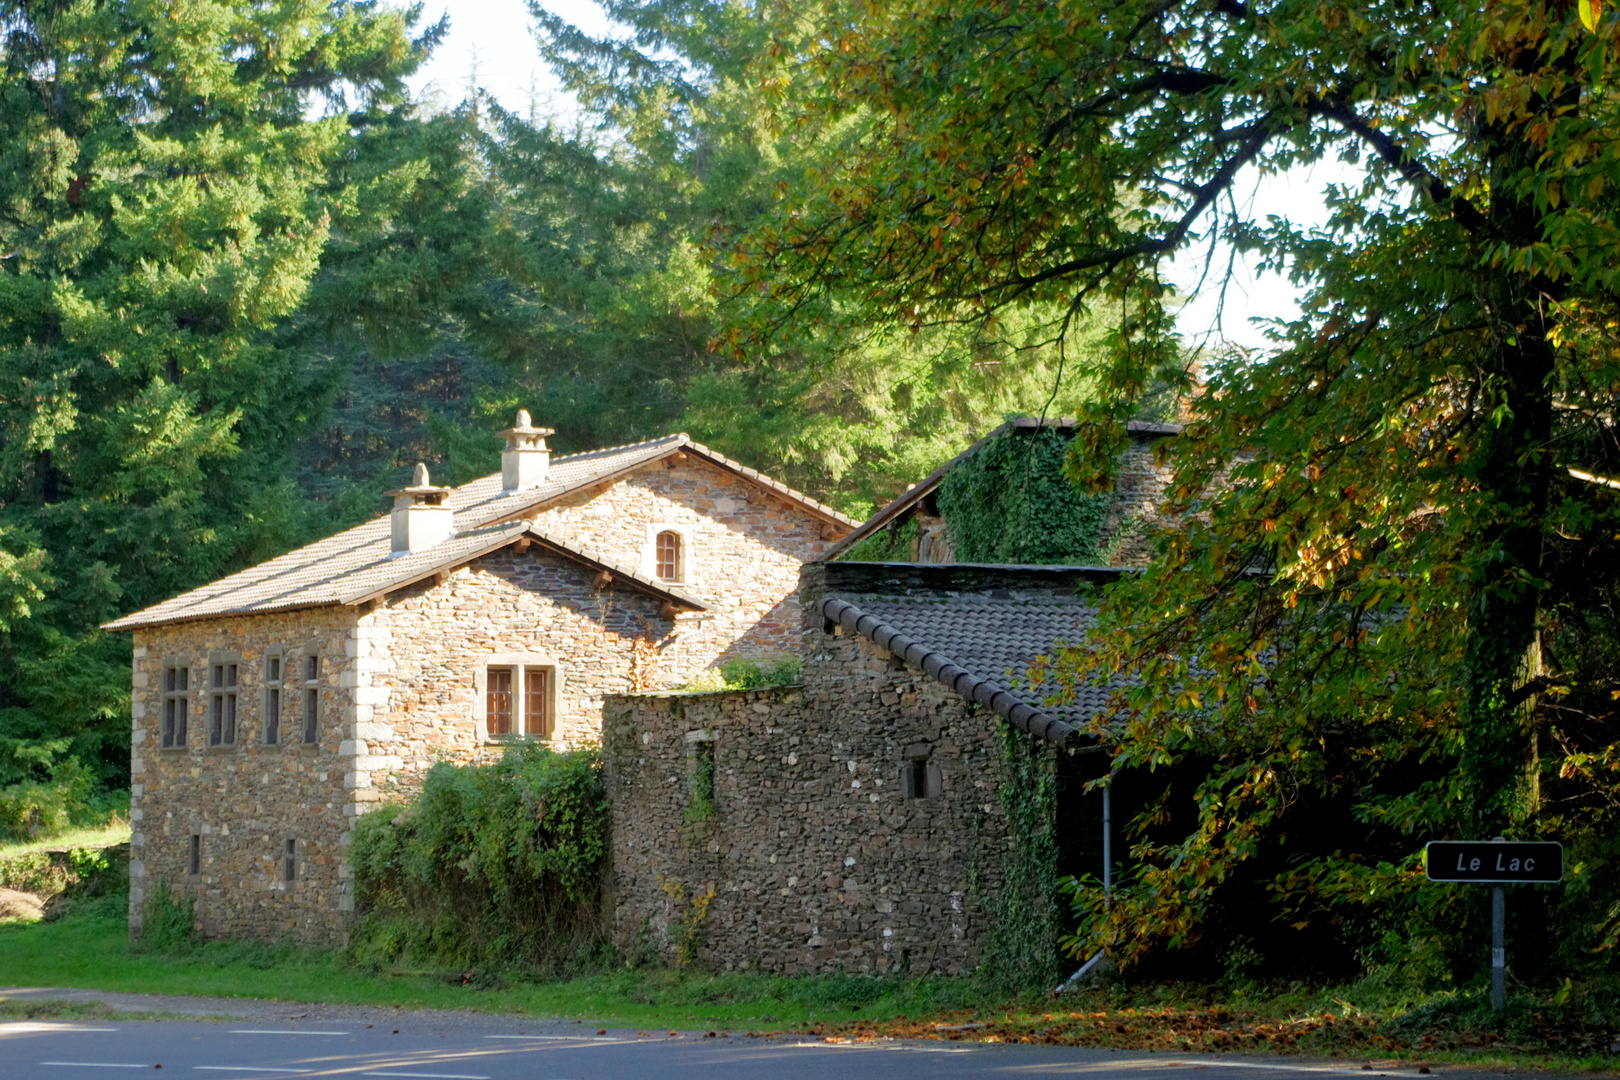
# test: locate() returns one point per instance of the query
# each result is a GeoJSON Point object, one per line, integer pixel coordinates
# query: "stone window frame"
{"type": "Point", "coordinates": [289, 861]}
{"type": "Point", "coordinates": [224, 697]}
{"type": "Point", "coordinates": [309, 708]}
{"type": "Point", "coordinates": [689, 576]}
{"type": "Point", "coordinates": [182, 699]}
{"type": "Point", "coordinates": [273, 697]}
{"type": "Point", "coordinates": [519, 663]}
{"type": "Point", "coordinates": [919, 765]}
{"type": "Point", "coordinates": [194, 855]}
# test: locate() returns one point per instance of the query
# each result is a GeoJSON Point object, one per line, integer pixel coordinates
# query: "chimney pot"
{"type": "Point", "coordinates": [420, 518]}
{"type": "Point", "coordinates": [526, 461]}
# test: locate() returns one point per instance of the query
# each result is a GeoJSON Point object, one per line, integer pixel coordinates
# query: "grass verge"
{"type": "Point", "coordinates": [88, 948]}
{"type": "Point", "coordinates": [114, 832]}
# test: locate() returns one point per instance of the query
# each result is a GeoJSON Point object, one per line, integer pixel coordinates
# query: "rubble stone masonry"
{"type": "Point", "coordinates": [742, 549]}
{"type": "Point", "coordinates": [818, 857]}
{"type": "Point", "coordinates": [243, 802]}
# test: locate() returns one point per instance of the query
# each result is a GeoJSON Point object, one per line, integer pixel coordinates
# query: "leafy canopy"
{"type": "Point", "coordinates": [1380, 590]}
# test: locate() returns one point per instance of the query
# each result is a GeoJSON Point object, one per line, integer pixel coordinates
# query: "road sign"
{"type": "Point", "coordinates": [1508, 862]}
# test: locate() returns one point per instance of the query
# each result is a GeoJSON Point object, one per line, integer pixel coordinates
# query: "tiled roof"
{"type": "Point", "coordinates": [917, 492]}
{"type": "Point", "coordinates": [982, 648]}
{"type": "Point", "coordinates": [356, 564]}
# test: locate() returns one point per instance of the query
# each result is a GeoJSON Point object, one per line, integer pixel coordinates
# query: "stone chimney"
{"type": "Point", "coordinates": [420, 517]}
{"type": "Point", "coordinates": [526, 461]}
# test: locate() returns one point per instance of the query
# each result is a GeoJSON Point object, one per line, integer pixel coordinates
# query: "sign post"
{"type": "Point", "coordinates": [1495, 863]}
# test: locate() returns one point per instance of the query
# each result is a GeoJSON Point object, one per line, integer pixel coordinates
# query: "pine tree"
{"type": "Point", "coordinates": [165, 197]}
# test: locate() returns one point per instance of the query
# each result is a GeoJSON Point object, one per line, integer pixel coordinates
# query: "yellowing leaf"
{"type": "Point", "coordinates": [1590, 11]}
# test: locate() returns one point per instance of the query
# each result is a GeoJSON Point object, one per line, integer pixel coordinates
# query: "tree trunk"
{"type": "Point", "coordinates": [1512, 469]}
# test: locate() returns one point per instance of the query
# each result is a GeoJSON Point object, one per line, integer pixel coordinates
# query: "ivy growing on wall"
{"type": "Point", "coordinates": [886, 544]}
{"type": "Point", "coordinates": [1009, 502]}
{"type": "Point", "coordinates": [1023, 949]}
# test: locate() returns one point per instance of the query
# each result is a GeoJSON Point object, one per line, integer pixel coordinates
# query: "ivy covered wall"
{"type": "Point", "coordinates": [1009, 502]}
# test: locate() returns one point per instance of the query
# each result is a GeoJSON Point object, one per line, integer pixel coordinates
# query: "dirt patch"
{"type": "Point", "coordinates": [1219, 1029]}
{"type": "Point", "coordinates": [21, 905]}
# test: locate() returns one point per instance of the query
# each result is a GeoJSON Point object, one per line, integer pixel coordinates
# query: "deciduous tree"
{"type": "Point", "coordinates": [1385, 541]}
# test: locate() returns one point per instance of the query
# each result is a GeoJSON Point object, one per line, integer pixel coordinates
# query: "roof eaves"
{"type": "Point", "coordinates": [596, 560]}
{"type": "Point", "coordinates": [134, 620]}
{"type": "Point", "coordinates": [497, 540]}
{"type": "Point", "coordinates": [912, 496]}
{"type": "Point", "coordinates": [1018, 713]}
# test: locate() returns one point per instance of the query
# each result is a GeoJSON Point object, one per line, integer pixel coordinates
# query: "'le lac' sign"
{"type": "Point", "coordinates": [1491, 861]}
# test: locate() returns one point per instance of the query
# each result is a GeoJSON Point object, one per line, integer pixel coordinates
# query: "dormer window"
{"type": "Point", "coordinates": [669, 555]}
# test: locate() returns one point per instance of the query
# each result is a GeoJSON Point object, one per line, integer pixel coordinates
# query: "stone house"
{"type": "Point", "coordinates": [859, 822]}
{"type": "Point", "coordinates": [273, 706]}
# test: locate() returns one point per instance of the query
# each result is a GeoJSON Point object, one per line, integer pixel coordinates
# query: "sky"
{"type": "Point", "coordinates": [491, 45]}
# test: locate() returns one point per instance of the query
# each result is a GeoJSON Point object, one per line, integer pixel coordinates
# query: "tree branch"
{"type": "Point", "coordinates": [1438, 191]}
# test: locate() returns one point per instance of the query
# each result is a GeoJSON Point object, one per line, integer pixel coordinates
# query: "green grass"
{"type": "Point", "coordinates": [89, 949]}
{"type": "Point", "coordinates": [98, 836]}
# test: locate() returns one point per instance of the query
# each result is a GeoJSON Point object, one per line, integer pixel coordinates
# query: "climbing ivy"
{"type": "Point", "coordinates": [885, 545]}
{"type": "Point", "coordinates": [1023, 949]}
{"type": "Point", "coordinates": [1009, 502]}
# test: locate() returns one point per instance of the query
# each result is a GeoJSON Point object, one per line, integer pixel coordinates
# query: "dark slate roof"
{"type": "Point", "coordinates": [982, 648]}
{"type": "Point", "coordinates": [1142, 429]}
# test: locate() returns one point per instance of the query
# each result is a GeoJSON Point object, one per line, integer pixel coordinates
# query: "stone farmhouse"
{"type": "Point", "coordinates": [273, 706]}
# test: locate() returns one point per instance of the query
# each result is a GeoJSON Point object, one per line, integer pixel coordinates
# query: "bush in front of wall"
{"type": "Point", "coordinates": [495, 864]}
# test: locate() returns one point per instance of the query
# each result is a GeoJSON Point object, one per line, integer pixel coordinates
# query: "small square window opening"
{"type": "Point", "coordinates": [917, 778]}
{"type": "Point", "coordinates": [703, 778]}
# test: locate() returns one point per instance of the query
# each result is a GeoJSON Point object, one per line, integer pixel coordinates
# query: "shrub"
{"type": "Point", "coordinates": [741, 674]}
{"type": "Point", "coordinates": [42, 804]}
{"type": "Point", "coordinates": [491, 864]}
{"type": "Point", "coordinates": [167, 924]}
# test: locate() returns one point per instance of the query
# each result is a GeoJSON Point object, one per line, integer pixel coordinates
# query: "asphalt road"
{"type": "Point", "coordinates": [413, 1047]}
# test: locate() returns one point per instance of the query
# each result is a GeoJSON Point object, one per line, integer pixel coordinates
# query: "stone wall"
{"type": "Point", "coordinates": [421, 651]}
{"type": "Point", "coordinates": [818, 859]}
{"type": "Point", "coordinates": [744, 546]}
{"type": "Point", "coordinates": [245, 801]}
{"type": "Point", "coordinates": [1139, 486]}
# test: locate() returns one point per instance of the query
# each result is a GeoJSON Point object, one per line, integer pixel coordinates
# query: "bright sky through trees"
{"type": "Point", "coordinates": [491, 45]}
